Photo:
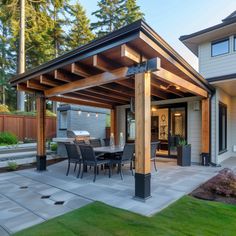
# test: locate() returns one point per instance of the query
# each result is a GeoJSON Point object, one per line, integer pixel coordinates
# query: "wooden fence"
{"type": "Point", "coordinates": [24, 127]}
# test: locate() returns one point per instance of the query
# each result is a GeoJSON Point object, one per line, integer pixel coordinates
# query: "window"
{"type": "Point", "coordinates": [235, 43]}
{"type": "Point", "coordinates": [63, 120]}
{"type": "Point", "coordinates": [130, 126]}
{"type": "Point", "coordinates": [220, 47]}
{"type": "Point", "coordinates": [222, 127]}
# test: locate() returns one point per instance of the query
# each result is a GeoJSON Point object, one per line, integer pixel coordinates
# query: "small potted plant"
{"type": "Point", "coordinates": [183, 153]}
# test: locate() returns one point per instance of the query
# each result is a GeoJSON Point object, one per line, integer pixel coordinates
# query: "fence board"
{"type": "Point", "coordinates": [24, 127]}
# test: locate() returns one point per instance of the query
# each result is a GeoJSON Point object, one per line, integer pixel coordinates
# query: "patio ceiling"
{"type": "Point", "coordinates": [97, 74]}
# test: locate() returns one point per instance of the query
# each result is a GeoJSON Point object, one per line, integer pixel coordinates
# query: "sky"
{"type": "Point", "coordinates": [173, 18]}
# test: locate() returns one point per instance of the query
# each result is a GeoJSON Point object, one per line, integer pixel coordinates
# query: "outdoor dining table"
{"type": "Point", "coordinates": [109, 149]}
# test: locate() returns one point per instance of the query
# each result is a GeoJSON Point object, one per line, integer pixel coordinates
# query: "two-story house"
{"type": "Point", "coordinates": [215, 48]}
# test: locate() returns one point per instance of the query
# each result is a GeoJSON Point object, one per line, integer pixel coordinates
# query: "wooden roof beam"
{"type": "Point", "coordinates": [80, 70]}
{"type": "Point", "coordinates": [130, 54]}
{"type": "Point", "coordinates": [49, 82]}
{"type": "Point", "coordinates": [92, 81]}
{"type": "Point", "coordinates": [24, 88]}
{"type": "Point", "coordinates": [173, 79]}
{"type": "Point", "coordinates": [60, 75]}
{"type": "Point", "coordinates": [102, 63]}
{"type": "Point", "coordinates": [80, 102]}
{"type": "Point", "coordinates": [36, 86]}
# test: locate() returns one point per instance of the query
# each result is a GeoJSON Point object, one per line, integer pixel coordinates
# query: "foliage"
{"type": "Point", "coordinates": [182, 141]}
{"type": "Point", "coordinates": [49, 113]}
{"type": "Point", "coordinates": [53, 147]}
{"type": "Point", "coordinates": [188, 216]}
{"type": "Point", "coordinates": [108, 120]}
{"type": "Point", "coordinates": [8, 138]}
{"type": "Point", "coordinates": [114, 14]}
{"type": "Point", "coordinates": [12, 166]}
{"type": "Point", "coordinates": [223, 184]}
{"type": "Point", "coordinates": [80, 32]}
{"type": "Point", "coordinates": [4, 108]}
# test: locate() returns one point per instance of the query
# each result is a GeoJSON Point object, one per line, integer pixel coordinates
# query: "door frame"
{"type": "Point", "coordinates": [169, 106]}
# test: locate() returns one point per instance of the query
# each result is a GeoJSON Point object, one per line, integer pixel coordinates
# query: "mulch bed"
{"type": "Point", "coordinates": [221, 188]}
{"type": "Point", "coordinates": [31, 165]}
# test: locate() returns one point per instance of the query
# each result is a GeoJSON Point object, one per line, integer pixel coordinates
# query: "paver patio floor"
{"type": "Point", "coordinates": [28, 197]}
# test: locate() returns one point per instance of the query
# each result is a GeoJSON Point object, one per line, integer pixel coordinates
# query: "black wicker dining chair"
{"type": "Point", "coordinates": [154, 147]}
{"type": "Point", "coordinates": [125, 158]}
{"type": "Point", "coordinates": [90, 159]}
{"type": "Point", "coordinates": [73, 157]}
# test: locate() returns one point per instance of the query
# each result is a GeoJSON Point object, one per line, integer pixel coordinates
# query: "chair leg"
{"type": "Point", "coordinates": [79, 170]}
{"type": "Point", "coordinates": [95, 173]}
{"type": "Point", "coordinates": [82, 172]}
{"type": "Point", "coordinates": [109, 170]}
{"type": "Point", "coordinates": [121, 174]}
{"type": "Point", "coordinates": [155, 164]}
{"type": "Point", "coordinates": [68, 168]}
{"type": "Point", "coordinates": [131, 167]}
{"type": "Point", "coordinates": [75, 167]}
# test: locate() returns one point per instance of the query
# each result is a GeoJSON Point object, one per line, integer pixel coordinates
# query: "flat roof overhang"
{"type": "Point", "coordinates": [96, 74]}
{"type": "Point", "coordinates": [219, 31]}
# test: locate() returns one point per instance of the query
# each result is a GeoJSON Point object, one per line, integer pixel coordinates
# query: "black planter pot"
{"type": "Point", "coordinates": [184, 155]}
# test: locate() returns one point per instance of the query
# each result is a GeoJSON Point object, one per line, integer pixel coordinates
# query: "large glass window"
{"type": "Point", "coordinates": [222, 127]}
{"type": "Point", "coordinates": [234, 43]}
{"type": "Point", "coordinates": [220, 47]}
{"type": "Point", "coordinates": [130, 126]}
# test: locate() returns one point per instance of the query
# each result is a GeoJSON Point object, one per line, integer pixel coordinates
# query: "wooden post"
{"type": "Point", "coordinates": [206, 126]}
{"type": "Point", "coordinates": [41, 137]}
{"type": "Point", "coordinates": [113, 124]}
{"type": "Point", "coordinates": [142, 135]}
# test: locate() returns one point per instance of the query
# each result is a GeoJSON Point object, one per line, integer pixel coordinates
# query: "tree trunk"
{"type": "Point", "coordinates": [21, 56]}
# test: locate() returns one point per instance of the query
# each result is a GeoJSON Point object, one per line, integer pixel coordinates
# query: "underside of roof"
{"type": "Point", "coordinates": [98, 74]}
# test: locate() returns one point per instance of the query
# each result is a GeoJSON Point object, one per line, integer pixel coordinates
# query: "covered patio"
{"type": "Point", "coordinates": [133, 63]}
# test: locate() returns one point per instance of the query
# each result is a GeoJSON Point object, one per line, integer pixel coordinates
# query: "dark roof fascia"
{"type": "Point", "coordinates": [107, 42]}
{"type": "Point", "coordinates": [215, 27]}
{"type": "Point", "coordinates": [166, 47]}
{"type": "Point", "coordinates": [221, 78]}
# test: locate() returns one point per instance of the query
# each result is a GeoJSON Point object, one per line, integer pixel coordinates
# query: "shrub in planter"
{"type": "Point", "coordinates": [7, 138]}
{"type": "Point", "coordinates": [12, 166]}
{"type": "Point", "coordinates": [4, 108]}
{"type": "Point", "coordinates": [54, 147]}
{"type": "Point", "coordinates": [183, 153]}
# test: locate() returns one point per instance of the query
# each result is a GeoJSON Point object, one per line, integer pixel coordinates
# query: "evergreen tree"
{"type": "Point", "coordinates": [131, 12]}
{"type": "Point", "coordinates": [109, 16]}
{"type": "Point", "coordinates": [80, 32]}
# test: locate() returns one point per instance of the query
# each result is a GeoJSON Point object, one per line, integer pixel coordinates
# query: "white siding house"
{"type": "Point", "coordinates": [218, 66]}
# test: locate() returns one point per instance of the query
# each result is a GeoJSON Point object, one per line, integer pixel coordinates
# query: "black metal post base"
{"type": "Point", "coordinates": [41, 163]}
{"type": "Point", "coordinates": [142, 186]}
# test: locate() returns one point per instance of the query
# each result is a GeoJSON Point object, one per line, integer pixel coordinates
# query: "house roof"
{"type": "Point", "coordinates": [224, 29]}
{"type": "Point", "coordinates": [95, 72]}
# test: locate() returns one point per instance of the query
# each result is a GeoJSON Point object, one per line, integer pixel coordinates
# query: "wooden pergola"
{"type": "Point", "coordinates": [133, 62]}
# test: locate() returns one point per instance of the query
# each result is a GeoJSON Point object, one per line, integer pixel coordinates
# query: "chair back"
{"type": "Point", "coordinates": [106, 142]}
{"type": "Point", "coordinates": [79, 142]}
{"type": "Point", "coordinates": [72, 151]}
{"type": "Point", "coordinates": [128, 152]}
{"type": "Point", "coordinates": [154, 146]}
{"type": "Point", "coordinates": [87, 153]}
{"type": "Point", "coordinates": [95, 142]}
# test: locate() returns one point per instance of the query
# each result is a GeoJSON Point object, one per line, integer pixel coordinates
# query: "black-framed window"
{"type": "Point", "coordinates": [220, 47]}
{"type": "Point", "coordinates": [235, 43]}
{"type": "Point", "coordinates": [130, 126]}
{"type": "Point", "coordinates": [222, 127]}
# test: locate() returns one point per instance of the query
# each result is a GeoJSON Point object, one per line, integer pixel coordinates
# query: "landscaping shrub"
{"type": "Point", "coordinates": [12, 165]}
{"type": "Point", "coordinates": [8, 138]}
{"type": "Point", "coordinates": [223, 184]}
{"type": "Point", "coordinates": [4, 109]}
{"type": "Point", "coordinates": [32, 113]}
{"type": "Point", "coordinates": [49, 113]}
{"type": "Point", "coordinates": [54, 147]}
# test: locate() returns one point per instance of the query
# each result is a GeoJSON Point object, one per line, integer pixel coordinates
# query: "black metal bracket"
{"type": "Point", "coordinates": [147, 66]}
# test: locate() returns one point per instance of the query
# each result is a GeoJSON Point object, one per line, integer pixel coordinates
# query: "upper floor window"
{"type": "Point", "coordinates": [220, 47]}
{"type": "Point", "coordinates": [235, 43]}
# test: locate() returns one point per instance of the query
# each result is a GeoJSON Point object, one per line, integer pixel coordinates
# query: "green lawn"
{"type": "Point", "coordinates": [188, 216]}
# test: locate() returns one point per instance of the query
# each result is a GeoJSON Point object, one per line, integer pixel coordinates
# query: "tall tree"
{"type": "Point", "coordinates": [80, 32]}
{"type": "Point", "coordinates": [131, 12]}
{"type": "Point", "coordinates": [109, 15]}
